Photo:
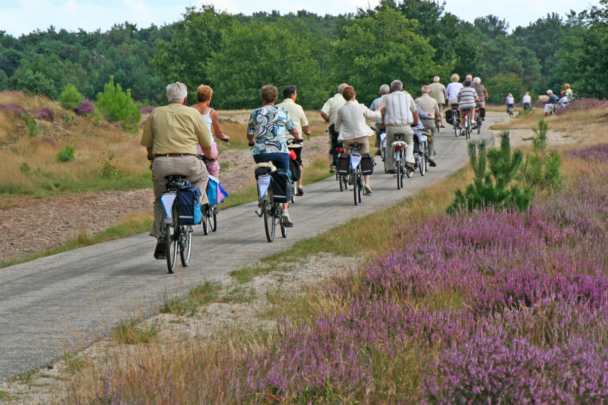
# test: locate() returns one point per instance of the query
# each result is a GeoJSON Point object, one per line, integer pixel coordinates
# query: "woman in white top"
{"type": "Point", "coordinates": [352, 125]}
{"type": "Point", "coordinates": [212, 118]}
{"type": "Point", "coordinates": [451, 92]}
{"type": "Point", "coordinates": [527, 101]}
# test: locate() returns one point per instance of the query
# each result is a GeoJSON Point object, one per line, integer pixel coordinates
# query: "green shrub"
{"type": "Point", "coordinates": [70, 97]}
{"type": "Point", "coordinates": [66, 154]}
{"type": "Point", "coordinates": [489, 188]}
{"type": "Point", "coordinates": [32, 127]}
{"type": "Point", "coordinates": [35, 83]}
{"type": "Point", "coordinates": [542, 170]}
{"type": "Point", "coordinates": [118, 106]}
{"type": "Point", "coordinates": [25, 168]}
{"type": "Point", "coordinates": [108, 165]}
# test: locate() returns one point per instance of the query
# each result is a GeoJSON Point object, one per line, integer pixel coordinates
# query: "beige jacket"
{"type": "Point", "coordinates": [351, 120]}
{"type": "Point", "coordinates": [438, 92]}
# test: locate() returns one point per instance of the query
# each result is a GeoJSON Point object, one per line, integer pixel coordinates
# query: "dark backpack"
{"type": "Point", "coordinates": [282, 186]}
{"type": "Point", "coordinates": [188, 206]}
{"type": "Point", "coordinates": [367, 164]}
{"type": "Point", "coordinates": [294, 168]}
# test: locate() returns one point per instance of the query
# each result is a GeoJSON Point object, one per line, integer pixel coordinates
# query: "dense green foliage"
{"type": "Point", "coordinates": [118, 106]}
{"type": "Point", "coordinates": [411, 40]}
{"type": "Point", "coordinates": [70, 97]}
{"type": "Point", "coordinates": [493, 188]}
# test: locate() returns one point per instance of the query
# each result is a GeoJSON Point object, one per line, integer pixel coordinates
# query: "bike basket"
{"type": "Point", "coordinates": [282, 186]}
{"type": "Point", "coordinates": [367, 164]}
{"type": "Point", "coordinates": [344, 163]}
{"type": "Point", "coordinates": [187, 204]}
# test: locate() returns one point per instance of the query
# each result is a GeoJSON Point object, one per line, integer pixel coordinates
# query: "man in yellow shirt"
{"type": "Point", "coordinates": [300, 122]}
{"type": "Point", "coordinates": [171, 136]}
{"type": "Point", "coordinates": [329, 112]}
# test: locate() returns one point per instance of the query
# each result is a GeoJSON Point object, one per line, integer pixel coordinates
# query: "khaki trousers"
{"type": "Point", "coordinates": [190, 166]}
{"type": "Point", "coordinates": [364, 140]}
{"type": "Point", "coordinates": [390, 138]}
{"type": "Point", "coordinates": [441, 112]}
{"type": "Point", "coordinates": [430, 125]}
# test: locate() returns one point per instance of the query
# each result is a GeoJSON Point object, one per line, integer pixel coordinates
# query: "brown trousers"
{"type": "Point", "coordinates": [190, 166]}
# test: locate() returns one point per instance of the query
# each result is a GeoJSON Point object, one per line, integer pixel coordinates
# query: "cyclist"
{"type": "Point", "coordinates": [527, 101]}
{"type": "Point", "coordinates": [510, 103]}
{"type": "Point", "coordinates": [429, 106]}
{"type": "Point", "coordinates": [467, 96]}
{"type": "Point", "coordinates": [171, 136]}
{"type": "Point", "coordinates": [329, 112]}
{"type": "Point", "coordinates": [384, 90]}
{"type": "Point", "coordinates": [482, 94]}
{"type": "Point", "coordinates": [438, 93]}
{"type": "Point", "coordinates": [212, 118]}
{"type": "Point", "coordinates": [266, 135]}
{"type": "Point", "coordinates": [451, 94]}
{"type": "Point", "coordinates": [399, 114]}
{"type": "Point", "coordinates": [296, 113]}
{"type": "Point", "coordinates": [352, 126]}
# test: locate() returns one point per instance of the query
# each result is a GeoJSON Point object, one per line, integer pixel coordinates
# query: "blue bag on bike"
{"type": "Point", "coordinates": [188, 206]}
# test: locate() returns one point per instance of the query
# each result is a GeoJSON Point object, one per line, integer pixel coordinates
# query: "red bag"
{"type": "Point", "coordinates": [292, 155]}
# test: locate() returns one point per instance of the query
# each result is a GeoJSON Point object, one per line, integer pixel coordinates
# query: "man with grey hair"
{"type": "Point", "coordinates": [482, 93]}
{"type": "Point", "coordinates": [384, 90]}
{"type": "Point", "coordinates": [171, 136]}
{"type": "Point", "coordinates": [438, 93]}
{"type": "Point", "coordinates": [429, 105]}
{"type": "Point", "coordinates": [329, 112]}
{"type": "Point", "coordinates": [398, 116]}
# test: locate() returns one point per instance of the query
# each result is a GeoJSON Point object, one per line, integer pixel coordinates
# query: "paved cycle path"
{"type": "Point", "coordinates": [47, 302]}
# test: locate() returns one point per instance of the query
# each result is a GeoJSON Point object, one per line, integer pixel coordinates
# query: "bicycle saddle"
{"type": "Point", "coordinates": [356, 145]}
{"type": "Point", "coordinates": [175, 181]}
{"type": "Point", "coordinates": [399, 143]}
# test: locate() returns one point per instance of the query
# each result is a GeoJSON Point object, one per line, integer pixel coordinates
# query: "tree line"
{"type": "Point", "coordinates": [412, 40]}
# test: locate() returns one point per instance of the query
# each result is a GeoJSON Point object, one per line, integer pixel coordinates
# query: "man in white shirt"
{"type": "Point", "coordinates": [329, 112]}
{"type": "Point", "coordinates": [399, 114]}
{"type": "Point", "coordinates": [429, 105]}
{"type": "Point", "coordinates": [300, 122]}
{"type": "Point", "coordinates": [451, 92]}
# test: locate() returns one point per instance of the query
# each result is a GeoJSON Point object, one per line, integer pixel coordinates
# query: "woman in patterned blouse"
{"type": "Point", "coordinates": [266, 135]}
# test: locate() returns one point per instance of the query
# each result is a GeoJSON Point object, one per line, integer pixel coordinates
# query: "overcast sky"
{"type": "Point", "coordinates": [23, 16]}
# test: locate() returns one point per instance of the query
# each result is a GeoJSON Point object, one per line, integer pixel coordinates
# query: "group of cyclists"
{"type": "Point", "coordinates": [176, 136]}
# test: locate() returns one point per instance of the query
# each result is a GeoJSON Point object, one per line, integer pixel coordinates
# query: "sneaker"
{"type": "Point", "coordinates": [368, 189]}
{"type": "Point", "coordinates": [410, 166]}
{"type": "Point", "coordinates": [442, 126]}
{"type": "Point", "coordinates": [300, 192]}
{"type": "Point", "coordinates": [285, 219]}
{"type": "Point", "coordinates": [159, 252]}
{"type": "Point", "coordinates": [432, 162]}
{"type": "Point", "coordinates": [332, 169]}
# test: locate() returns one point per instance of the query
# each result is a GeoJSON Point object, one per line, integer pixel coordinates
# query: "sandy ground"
{"type": "Point", "coordinates": [49, 384]}
{"type": "Point", "coordinates": [30, 225]}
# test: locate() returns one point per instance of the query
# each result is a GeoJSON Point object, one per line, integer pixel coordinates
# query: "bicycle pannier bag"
{"type": "Point", "coordinates": [449, 117]}
{"type": "Point", "coordinates": [188, 206]}
{"type": "Point", "coordinates": [344, 163]}
{"type": "Point", "coordinates": [294, 168]}
{"type": "Point", "coordinates": [367, 164]}
{"type": "Point", "coordinates": [261, 171]}
{"type": "Point", "coordinates": [282, 186]}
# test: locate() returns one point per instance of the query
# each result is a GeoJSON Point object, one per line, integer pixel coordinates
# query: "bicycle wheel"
{"type": "Point", "coordinates": [361, 183]}
{"type": "Point", "coordinates": [205, 222]}
{"type": "Point", "coordinates": [212, 219]}
{"type": "Point", "coordinates": [355, 185]}
{"type": "Point", "coordinates": [185, 244]}
{"type": "Point", "coordinates": [383, 151]}
{"type": "Point", "coordinates": [268, 221]}
{"type": "Point", "coordinates": [341, 181]}
{"type": "Point", "coordinates": [478, 126]}
{"type": "Point", "coordinates": [295, 190]}
{"type": "Point", "coordinates": [399, 169]}
{"type": "Point", "coordinates": [171, 243]}
{"type": "Point", "coordinates": [422, 165]}
{"type": "Point", "coordinates": [278, 209]}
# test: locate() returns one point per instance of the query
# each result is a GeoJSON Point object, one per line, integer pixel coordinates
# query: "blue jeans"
{"type": "Point", "coordinates": [280, 160]}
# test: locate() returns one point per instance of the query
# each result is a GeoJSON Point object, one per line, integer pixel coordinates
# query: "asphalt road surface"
{"type": "Point", "coordinates": [47, 303]}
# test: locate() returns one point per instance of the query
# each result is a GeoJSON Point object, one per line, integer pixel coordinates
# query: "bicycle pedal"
{"type": "Point", "coordinates": [258, 214]}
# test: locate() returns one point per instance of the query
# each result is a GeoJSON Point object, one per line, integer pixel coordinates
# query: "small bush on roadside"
{"type": "Point", "coordinates": [542, 170]}
{"type": "Point", "coordinates": [131, 331]}
{"type": "Point", "coordinates": [66, 154]}
{"type": "Point", "coordinates": [47, 114]}
{"type": "Point", "coordinates": [25, 168]}
{"type": "Point", "coordinates": [85, 108]}
{"type": "Point", "coordinates": [489, 188]}
{"type": "Point", "coordinates": [108, 164]}
{"type": "Point", "coordinates": [118, 106]}
{"type": "Point", "coordinates": [70, 97]}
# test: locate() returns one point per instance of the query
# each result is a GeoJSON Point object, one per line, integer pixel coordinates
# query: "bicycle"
{"type": "Point", "coordinates": [399, 160]}
{"type": "Point", "coordinates": [437, 126]}
{"type": "Point", "coordinates": [456, 120]}
{"type": "Point", "coordinates": [271, 210]}
{"type": "Point", "coordinates": [209, 211]}
{"type": "Point", "coordinates": [382, 136]}
{"type": "Point", "coordinates": [467, 125]}
{"type": "Point", "coordinates": [421, 153]}
{"type": "Point", "coordinates": [175, 236]}
{"type": "Point", "coordinates": [478, 121]}
{"type": "Point", "coordinates": [292, 145]}
{"type": "Point", "coordinates": [343, 179]}
{"type": "Point", "coordinates": [355, 175]}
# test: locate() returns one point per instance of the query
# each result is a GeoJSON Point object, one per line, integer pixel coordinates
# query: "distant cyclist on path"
{"type": "Point", "coordinates": [329, 112]}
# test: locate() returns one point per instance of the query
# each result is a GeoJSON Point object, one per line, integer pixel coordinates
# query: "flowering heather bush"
{"type": "Point", "coordinates": [118, 125]}
{"type": "Point", "coordinates": [12, 108]}
{"type": "Point", "coordinates": [47, 114]}
{"type": "Point", "coordinates": [85, 108]}
{"type": "Point", "coordinates": [147, 109]}
{"type": "Point", "coordinates": [489, 307]}
{"type": "Point", "coordinates": [584, 104]}
{"type": "Point", "coordinates": [591, 153]}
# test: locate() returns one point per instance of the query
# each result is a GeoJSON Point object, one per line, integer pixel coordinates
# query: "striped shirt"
{"type": "Point", "coordinates": [466, 97]}
{"type": "Point", "coordinates": [400, 109]}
